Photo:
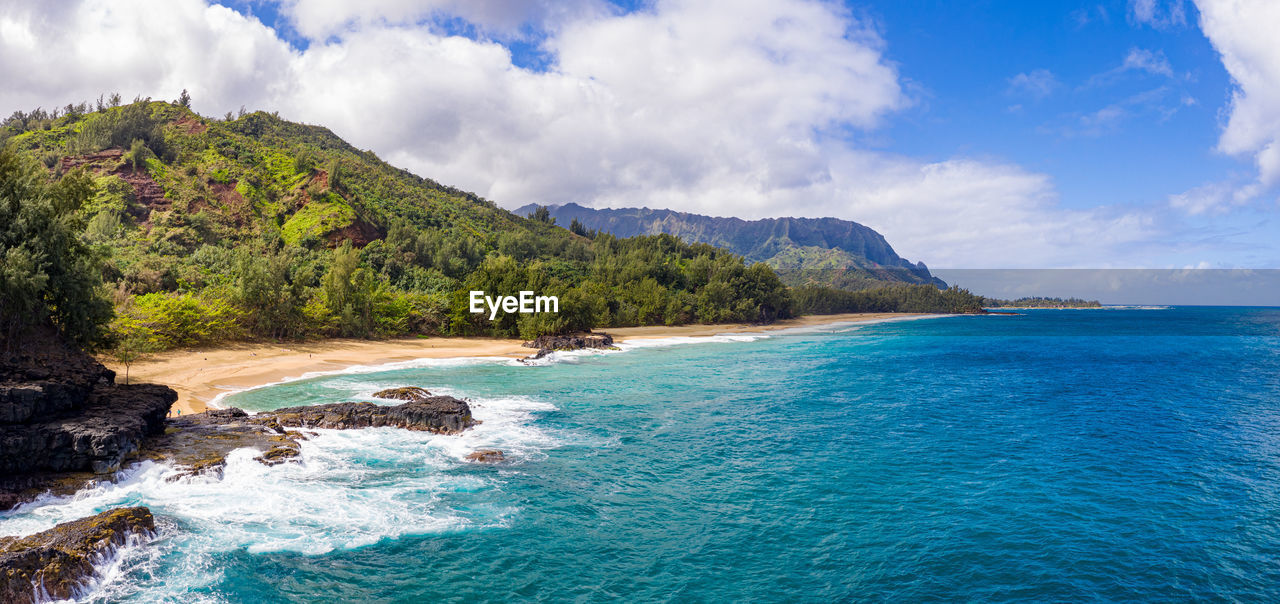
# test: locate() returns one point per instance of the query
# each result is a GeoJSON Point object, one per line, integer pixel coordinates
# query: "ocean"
{"type": "Point", "coordinates": [1126, 454]}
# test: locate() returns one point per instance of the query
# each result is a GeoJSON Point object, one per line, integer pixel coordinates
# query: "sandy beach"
{"type": "Point", "coordinates": [200, 375]}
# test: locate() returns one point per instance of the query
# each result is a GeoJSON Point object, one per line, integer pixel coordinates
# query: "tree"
{"type": "Point", "coordinates": [46, 271]}
{"type": "Point", "coordinates": [184, 99]}
{"type": "Point", "coordinates": [577, 228]}
{"type": "Point", "coordinates": [542, 214]}
{"type": "Point", "coordinates": [131, 348]}
{"type": "Point", "coordinates": [137, 154]}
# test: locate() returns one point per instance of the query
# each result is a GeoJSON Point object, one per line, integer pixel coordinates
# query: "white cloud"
{"type": "Point", "coordinates": [730, 108]}
{"type": "Point", "coordinates": [321, 19]}
{"type": "Point", "coordinates": [1038, 83]}
{"type": "Point", "coordinates": [1211, 198]}
{"type": "Point", "coordinates": [1145, 60]}
{"type": "Point", "coordinates": [1243, 32]}
{"type": "Point", "coordinates": [1158, 14]}
{"type": "Point", "coordinates": [1137, 59]}
{"type": "Point", "coordinates": [965, 213]}
{"type": "Point", "coordinates": [1157, 103]}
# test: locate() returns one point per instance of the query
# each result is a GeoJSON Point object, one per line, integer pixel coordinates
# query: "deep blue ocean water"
{"type": "Point", "coordinates": [1058, 455]}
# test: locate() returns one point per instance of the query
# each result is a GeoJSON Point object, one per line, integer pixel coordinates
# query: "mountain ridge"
{"type": "Point", "coordinates": [804, 251]}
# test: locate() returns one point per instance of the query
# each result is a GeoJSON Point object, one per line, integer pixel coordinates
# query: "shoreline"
{"type": "Point", "coordinates": [200, 375]}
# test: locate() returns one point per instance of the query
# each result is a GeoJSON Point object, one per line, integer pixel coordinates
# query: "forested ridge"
{"type": "Point", "coordinates": [803, 251]}
{"type": "Point", "coordinates": [145, 226]}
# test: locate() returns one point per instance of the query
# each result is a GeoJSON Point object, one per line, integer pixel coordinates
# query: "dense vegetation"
{"type": "Point", "coordinates": [47, 273]}
{"type": "Point", "coordinates": [1039, 302]}
{"type": "Point", "coordinates": [893, 298]}
{"type": "Point", "coordinates": [198, 230]}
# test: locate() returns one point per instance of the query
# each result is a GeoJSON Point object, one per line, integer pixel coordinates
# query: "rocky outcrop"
{"type": "Point", "coordinates": [406, 393]}
{"type": "Point", "coordinates": [439, 414]}
{"type": "Point", "coordinates": [57, 564]}
{"type": "Point", "coordinates": [95, 434]}
{"type": "Point", "coordinates": [200, 442]}
{"type": "Point", "coordinates": [62, 417]}
{"type": "Point", "coordinates": [549, 343]}
{"type": "Point", "coordinates": [486, 456]}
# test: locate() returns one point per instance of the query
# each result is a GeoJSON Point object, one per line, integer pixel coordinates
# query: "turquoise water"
{"type": "Point", "coordinates": [1128, 454]}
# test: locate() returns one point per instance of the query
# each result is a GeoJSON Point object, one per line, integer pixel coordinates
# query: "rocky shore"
{"type": "Point", "coordinates": [549, 344]}
{"type": "Point", "coordinates": [200, 443]}
{"type": "Point", "coordinates": [61, 560]}
{"type": "Point", "coordinates": [65, 423]}
{"type": "Point", "coordinates": [56, 564]}
{"type": "Point", "coordinates": [63, 417]}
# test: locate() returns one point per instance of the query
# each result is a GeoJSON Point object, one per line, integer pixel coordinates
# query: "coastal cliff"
{"type": "Point", "coordinates": [62, 416]}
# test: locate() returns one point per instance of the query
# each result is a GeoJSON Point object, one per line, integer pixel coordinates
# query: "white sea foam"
{"type": "Point", "coordinates": [638, 343]}
{"type": "Point", "coordinates": [351, 488]}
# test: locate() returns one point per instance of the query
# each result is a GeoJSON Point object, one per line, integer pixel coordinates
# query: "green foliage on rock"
{"type": "Point", "coordinates": [317, 219]}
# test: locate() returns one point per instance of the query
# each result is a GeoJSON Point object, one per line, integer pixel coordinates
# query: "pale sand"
{"type": "Point", "coordinates": [201, 375]}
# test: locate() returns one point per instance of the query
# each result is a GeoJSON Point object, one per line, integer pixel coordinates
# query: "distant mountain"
{"type": "Point", "coordinates": [804, 251]}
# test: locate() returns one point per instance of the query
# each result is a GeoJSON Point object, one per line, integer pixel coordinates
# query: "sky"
{"type": "Point", "coordinates": [977, 135]}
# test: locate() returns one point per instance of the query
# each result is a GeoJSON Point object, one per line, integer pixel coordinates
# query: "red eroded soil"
{"type": "Point", "coordinates": [190, 125]}
{"type": "Point", "coordinates": [232, 202]}
{"type": "Point", "coordinates": [148, 195]}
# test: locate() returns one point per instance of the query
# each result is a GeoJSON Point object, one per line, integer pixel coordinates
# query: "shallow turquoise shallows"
{"type": "Point", "coordinates": [1086, 455]}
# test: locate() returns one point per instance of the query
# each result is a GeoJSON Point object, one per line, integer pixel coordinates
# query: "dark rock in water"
{"type": "Point", "coordinates": [57, 563]}
{"type": "Point", "coordinates": [486, 456]}
{"type": "Point", "coordinates": [549, 344]}
{"type": "Point", "coordinates": [63, 418]}
{"type": "Point", "coordinates": [572, 342]}
{"type": "Point", "coordinates": [407, 393]}
{"type": "Point", "coordinates": [199, 443]}
{"type": "Point", "coordinates": [440, 414]}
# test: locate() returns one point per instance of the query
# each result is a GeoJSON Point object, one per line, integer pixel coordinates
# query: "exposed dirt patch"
{"type": "Point", "coordinates": [232, 202]}
{"type": "Point", "coordinates": [93, 161]}
{"type": "Point", "coordinates": [359, 232]}
{"type": "Point", "coordinates": [191, 125]}
{"type": "Point", "coordinates": [147, 195]}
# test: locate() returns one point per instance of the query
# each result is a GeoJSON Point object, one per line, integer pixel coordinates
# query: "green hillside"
{"type": "Point", "coordinates": [252, 226]}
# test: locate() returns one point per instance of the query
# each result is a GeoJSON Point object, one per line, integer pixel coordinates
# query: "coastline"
{"type": "Point", "coordinates": [201, 375]}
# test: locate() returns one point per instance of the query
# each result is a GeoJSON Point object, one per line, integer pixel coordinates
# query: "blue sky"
{"type": "Point", "coordinates": [1128, 133]}
{"type": "Point", "coordinates": [965, 57]}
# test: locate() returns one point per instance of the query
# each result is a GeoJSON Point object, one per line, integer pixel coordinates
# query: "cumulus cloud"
{"type": "Point", "coordinates": [1243, 33]}
{"type": "Point", "coordinates": [730, 108]}
{"type": "Point", "coordinates": [55, 52]}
